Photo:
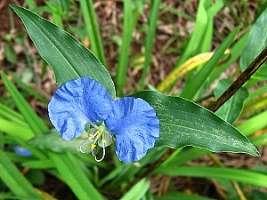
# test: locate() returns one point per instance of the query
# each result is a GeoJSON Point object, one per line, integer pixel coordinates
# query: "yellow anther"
{"type": "Point", "coordinates": [93, 146]}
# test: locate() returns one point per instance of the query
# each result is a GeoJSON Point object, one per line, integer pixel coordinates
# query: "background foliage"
{"type": "Point", "coordinates": [190, 50]}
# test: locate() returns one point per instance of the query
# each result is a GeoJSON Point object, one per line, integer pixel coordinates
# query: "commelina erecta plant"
{"type": "Point", "coordinates": [84, 108]}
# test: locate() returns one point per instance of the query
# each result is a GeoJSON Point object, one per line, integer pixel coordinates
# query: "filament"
{"type": "Point", "coordinates": [83, 146]}
{"type": "Point", "coordinates": [103, 154]}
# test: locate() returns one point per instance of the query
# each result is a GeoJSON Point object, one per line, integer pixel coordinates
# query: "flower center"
{"type": "Point", "coordinates": [95, 139]}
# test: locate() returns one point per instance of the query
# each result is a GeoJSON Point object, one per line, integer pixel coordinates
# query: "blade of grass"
{"type": "Point", "coordinates": [253, 124]}
{"type": "Point", "coordinates": [181, 196]}
{"type": "Point", "coordinates": [149, 41]}
{"type": "Point", "coordinates": [199, 31]}
{"type": "Point", "coordinates": [206, 43]}
{"type": "Point", "coordinates": [16, 130]}
{"type": "Point", "coordinates": [186, 67]}
{"type": "Point", "coordinates": [129, 21]}
{"type": "Point", "coordinates": [11, 115]}
{"type": "Point", "coordinates": [241, 175]}
{"type": "Point", "coordinates": [36, 124]}
{"type": "Point", "coordinates": [92, 29]}
{"type": "Point", "coordinates": [39, 164]}
{"type": "Point", "coordinates": [31, 3]}
{"type": "Point", "coordinates": [16, 182]}
{"type": "Point", "coordinates": [235, 52]}
{"type": "Point", "coordinates": [260, 140]}
{"type": "Point", "coordinates": [137, 191]}
{"type": "Point", "coordinates": [179, 157]}
{"type": "Point", "coordinates": [198, 79]}
{"type": "Point", "coordinates": [79, 183]}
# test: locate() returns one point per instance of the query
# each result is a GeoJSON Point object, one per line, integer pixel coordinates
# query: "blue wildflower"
{"type": "Point", "coordinates": [84, 108]}
{"type": "Point", "coordinates": [21, 151]}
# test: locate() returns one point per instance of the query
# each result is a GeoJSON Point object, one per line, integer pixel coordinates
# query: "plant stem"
{"type": "Point", "coordinates": [243, 78]}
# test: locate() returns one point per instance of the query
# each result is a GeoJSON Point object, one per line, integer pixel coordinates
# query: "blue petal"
{"type": "Point", "coordinates": [136, 127]}
{"type": "Point", "coordinates": [76, 103]}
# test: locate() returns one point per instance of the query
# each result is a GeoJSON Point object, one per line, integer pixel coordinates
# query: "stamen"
{"type": "Point", "coordinates": [103, 154]}
{"type": "Point", "coordinates": [83, 147]}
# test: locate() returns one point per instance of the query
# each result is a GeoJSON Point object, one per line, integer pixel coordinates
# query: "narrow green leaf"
{"type": "Point", "coordinates": [180, 157]}
{"type": "Point", "coordinates": [16, 130]}
{"type": "Point", "coordinates": [72, 174]}
{"type": "Point", "coordinates": [184, 123]}
{"type": "Point", "coordinates": [181, 196]}
{"type": "Point", "coordinates": [241, 175]}
{"type": "Point", "coordinates": [68, 58]}
{"type": "Point", "coordinates": [137, 191]}
{"type": "Point", "coordinates": [11, 115]}
{"type": "Point", "coordinates": [235, 52]}
{"type": "Point", "coordinates": [253, 124]}
{"type": "Point", "coordinates": [257, 41]}
{"type": "Point", "coordinates": [198, 80]}
{"type": "Point", "coordinates": [233, 107]}
{"type": "Point", "coordinates": [198, 33]}
{"type": "Point", "coordinates": [212, 10]}
{"type": "Point", "coordinates": [149, 41]}
{"type": "Point", "coordinates": [129, 21]}
{"type": "Point", "coordinates": [92, 28]}
{"type": "Point", "coordinates": [29, 115]}
{"type": "Point", "coordinates": [39, 164]}
{"type": "Point", "coordinates": [16, 182]}
{"type": "Point", "coordinates": [260, 140]}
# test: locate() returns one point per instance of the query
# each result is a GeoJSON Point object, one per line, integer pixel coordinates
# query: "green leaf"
{"type": "Point", "coordinates": [198, 80]}
{"type": "Point", "coordinates": [149, 41]}
{"type": "Point", "coordinates": [16, 182]}
{"type": "Point", "coordinates": [181, 196]}
{"type": "Point", "coordinates": [257, 41]}
{"type": "Point", "coordinates": [241, 175]}
{"type": "Point", "coordinates": [130, 14]}
{"type": "Point", "coordinates": [92, 28]}
{"type": "Point", "coordinates": [233, 107]}
{"type": "Point", "coordinates": [72, 174]}
{"type": "Point", "coordinates": [68, 58]}
{"type": "Point", "coordinates": [16, 130]}
{"type": "Point", "coordinates": [184, 123]}
{"type": "Point", "coordinates": [180, 157]}
{"type": "Point", "coordinates": [253, 124]}
{"type": "Point", "coordinates": [198, 33]}
{"type": "Point", "coordinates": [137, 191]}
{"type": "Point", "coordinates": [35, 123]}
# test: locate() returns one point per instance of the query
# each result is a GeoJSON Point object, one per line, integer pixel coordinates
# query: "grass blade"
{"type": "Point", "coordinates": [36, 124]}
{"type": "Point", "coordinates": [181, 196]}
{"type": "Point", "coordinates": [198, 80]}
{"type": "Point", "coordinates": [241, 175]}
{"type": "Point", "coordinates": [16, 182]}
{"type": "Point", "coordinates": [150, 37]}
{"type": "Point", "coordinates": [137, 191]}
{"type": "Point", "coordinates": [92, 28]}
{"type": "Point", "coordinates": [76, 179]}
{"type": "Point", "coordinates": [199, 31]}
{"type": "Point", "coordinates": [16, 130]}
{"type": "Point", "coordinates": [129, 21]}
{"type": "Point", "coordinates": [253, 124]}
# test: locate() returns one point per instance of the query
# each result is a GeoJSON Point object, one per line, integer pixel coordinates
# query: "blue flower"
{"type": "Point", "coordinates": [83, 106]}
{"type": "Point", "coordinates": [19, 150]}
